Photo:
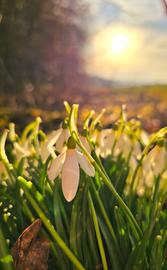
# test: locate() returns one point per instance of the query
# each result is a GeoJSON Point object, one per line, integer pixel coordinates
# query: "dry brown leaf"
{"type": "Point", "coordinates": [29, 252]}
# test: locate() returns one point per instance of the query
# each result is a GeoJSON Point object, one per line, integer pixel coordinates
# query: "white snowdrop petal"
{"type": "Point", "coordinates": [44, 153]}
{"type": "Point", "coordinates": [106, 141]}
{"type": "Point", "coordinates": [53, 138]}
{"type": "Point", "coordinates": [56, 166]}
{"type": "Point", "coordinates": [156, 159]}
{"type": "Point", "coordinates": [85, 164]}
{"type": "Point", "coordinates": [51, 151]}
{"type": "Point", "coordinates": [66, 134]}
{"type": "Point", "coordinates": [62, 139]}
{"type": "Point", "coordinates": [119, 145]}
{"type": "Point", "coordinates": [70, 175]}
{"type": "Point", "coordinates": [159, 162]}
{"type": "Point", "coordinates": [60, 142]}
{"type": "Point", "coordinates": [47, 147]}
{"type": "Point", "coordinates": [85, 143]}
{"type": "Point", "coordinates": [103, 137]}
{"type": "Point", "coordinates": [136, 149]}
{"type": "Point", "coordinates": [132, 163]}
{"type": "Point", "coordinates": [144, 137]}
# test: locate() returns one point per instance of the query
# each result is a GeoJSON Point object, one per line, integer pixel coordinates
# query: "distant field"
{"type": "Point", "coordinates": [149, 103]}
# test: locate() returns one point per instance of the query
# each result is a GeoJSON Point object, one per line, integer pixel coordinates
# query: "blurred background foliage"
{"type": "Point", "coordinates": [40, 42]}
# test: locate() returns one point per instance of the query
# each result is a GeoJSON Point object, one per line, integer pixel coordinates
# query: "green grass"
{"type": "Point", "coordinates": [110, 224]}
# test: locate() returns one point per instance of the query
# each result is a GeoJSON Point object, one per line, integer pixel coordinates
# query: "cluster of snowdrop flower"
{"type": "Point", "coordinates": [65, 150]}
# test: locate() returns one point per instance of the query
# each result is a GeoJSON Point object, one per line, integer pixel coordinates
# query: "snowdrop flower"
{"type": "Point", "coordinates": [67, 163]}
{"type": "Point", "coordinates": [156, 160]}
{"type": "Point", "coordinates": [63, 136]}
{"type": "Point", "coordinates": [154, 164]}
{"type": "Point", "coordinates": [123, 145]}
{"type": "Point", "coordinates": [54, 142]}
{"type": "Point", "coordinates": [84, 141]}
{"type": "Point", "coordinates": [22, 149]}
{"type": "Point", "coordinates": [127, 146]}
{"type": "Point", "coordinates": [106, 141]}
{"type": "Point", "coordinates": [47, 147]}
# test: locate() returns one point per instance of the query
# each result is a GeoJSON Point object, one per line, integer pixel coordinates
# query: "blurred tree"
{"type": "Point", "coordinates": [41, 41]}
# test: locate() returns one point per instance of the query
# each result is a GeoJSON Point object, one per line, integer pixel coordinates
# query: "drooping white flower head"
{"type": "Point", "coordinates": [47, 147]}
{"type": "Point", "coordinates": [24, 146]}
{"type": "Point", "coordinates": [156, 160]}
{"type": "Point", "coordinates": [105, 142]}
{"type": "Point", "coordinates": [23, 149]}
{"type": "Point", "coordinates": [123, 145]}
{"type": "Point", "coordinates": [67, 164]}
{"type": "Point", "coordinates": [54, 142]}
{"type": "Point", "coordinates": [63, 138]}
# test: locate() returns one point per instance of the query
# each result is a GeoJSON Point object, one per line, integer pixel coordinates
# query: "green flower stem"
{"type": "Point", "coordinates": [135, 173]}
{"type": "Point", "coordinates": [134, 225]}
{"type": "Point", "coordinates": [28, 213]}
{"type": "Point", "coordinates": [32, 127]}
{"type": "Point", "coordinates": [97, 119]}
{"type": "Point", "coordinates": [8, 166]}
{"type": "Point", "coordinates": [37, 195]}
{"type": "Point", "coordinates": [105, 216]}
{"type": "Point", "coordinates": [88, 118]}
{"type": "Point", "coordinates": [12, 179]}
{"type": "Point", "coordinates": [6, 259]}
{"type": "Point", "coordinates": [67, 107]}
{"type": "Point", "coordinates": [73, 118]}
{"type": "Point", "coordinates": [132, 221]}
{"type": "Point", "coordinates": [3, 155]}
{"type": "Point", "coordinates": [98, 234]}
{"type": "Point", "coordinates": [50, 227]}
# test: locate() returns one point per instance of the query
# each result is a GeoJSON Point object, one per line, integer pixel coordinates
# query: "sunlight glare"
{"type": "Point", "coordinates": [119, 43]}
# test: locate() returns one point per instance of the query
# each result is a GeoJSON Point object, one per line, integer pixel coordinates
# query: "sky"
{"type": "Point", "coordinates": [144, 24]}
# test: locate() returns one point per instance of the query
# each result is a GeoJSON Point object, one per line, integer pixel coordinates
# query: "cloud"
{"type": "Point", "coordinates": [141, 9]}
{"type": "Point", "coordinates": [135, 12]}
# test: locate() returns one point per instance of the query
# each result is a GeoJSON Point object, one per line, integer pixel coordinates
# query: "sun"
{"type": "Point", "coordinates": [119, 44]}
